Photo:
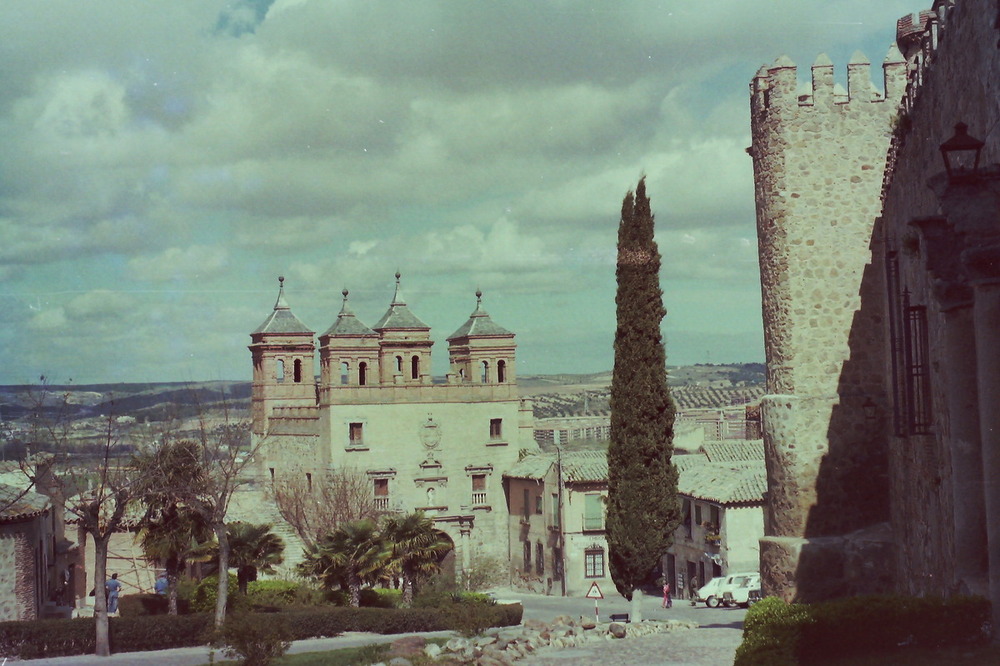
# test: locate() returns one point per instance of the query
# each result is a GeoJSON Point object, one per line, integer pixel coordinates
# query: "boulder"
{"type": "Point", "coordinates": [617, 629]}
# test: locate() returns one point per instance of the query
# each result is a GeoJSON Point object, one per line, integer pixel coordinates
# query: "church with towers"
{"type": "Point", "coordinates": [375, 410]}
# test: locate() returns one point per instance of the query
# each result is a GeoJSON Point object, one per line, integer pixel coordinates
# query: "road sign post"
{"type": "Point", "coordinates": [595, 593]}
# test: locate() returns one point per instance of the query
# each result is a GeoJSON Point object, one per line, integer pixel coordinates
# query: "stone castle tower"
{"type": "Point", "coordinates": [819, 158]}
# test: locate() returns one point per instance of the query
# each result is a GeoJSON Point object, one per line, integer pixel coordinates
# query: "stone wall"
{"type": "Point", "coordinates": [956, 79]}
{"type": "Point", "coordinates": [818, 164]}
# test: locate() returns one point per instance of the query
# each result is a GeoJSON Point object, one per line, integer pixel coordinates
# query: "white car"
{"type": "Point", "coordinates": [737, 592]}
{"type": "Point", "coordinates": [709, 592]}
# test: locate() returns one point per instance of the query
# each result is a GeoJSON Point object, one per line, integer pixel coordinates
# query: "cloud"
{"type": "Point", "coordinates": [189, 264]}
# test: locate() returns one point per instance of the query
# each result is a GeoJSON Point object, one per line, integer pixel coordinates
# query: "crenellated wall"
{"type": "Point", "coordinates": [818, 165]}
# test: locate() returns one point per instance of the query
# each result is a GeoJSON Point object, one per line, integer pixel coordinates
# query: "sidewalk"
{"type": "Point", "coordinates": [197, 656]}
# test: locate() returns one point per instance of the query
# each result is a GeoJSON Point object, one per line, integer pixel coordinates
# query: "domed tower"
{"type": "Point", "coordinates": [283, 376]}
{"type": "Point", "coordinates": [482, 351]}
{"type": "Point", "coordinates": [348, 353]}
{"type": "Point", "coordinates": [405, 341]}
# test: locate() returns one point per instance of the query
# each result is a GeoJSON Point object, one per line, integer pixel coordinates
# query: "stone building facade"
{"type": "Point", "coordinates": [923, 326]}
{"type": "Point", "coordinates": [376, 411]}
{"type": "Point", "coordinates": [26, 553]}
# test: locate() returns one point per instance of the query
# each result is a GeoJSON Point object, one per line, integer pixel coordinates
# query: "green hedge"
{"type": "Point", "coordinates": [778, 634]}
{"type": "Point", "coordinates": [54, 638]}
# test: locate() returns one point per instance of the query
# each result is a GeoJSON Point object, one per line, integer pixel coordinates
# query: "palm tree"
{"type": "Point", "coordinates": [418, 549]}
{"type": "Point", "coordinates": [173, 536]}
{"type": "Point", "coordinates": [253, 548]}
{"type": "Point", "coordinates": [352, 555]}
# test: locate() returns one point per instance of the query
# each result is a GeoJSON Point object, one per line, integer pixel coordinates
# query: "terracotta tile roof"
{"type": "Point", "coordinates": [730, 450]}
{"type": "Point", "coordinates": [585, 466]}
{"type": "Point", "coordinates": [534, 466]}
{"type": "Point", "coordinates": [17, 503]}
{"type": "Point", "coordinates": [725, 482]}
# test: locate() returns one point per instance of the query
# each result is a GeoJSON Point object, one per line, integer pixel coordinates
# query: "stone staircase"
{"type": "Point", "coordinates": [252, 504]}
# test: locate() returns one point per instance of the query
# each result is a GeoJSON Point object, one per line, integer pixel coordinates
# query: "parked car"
{"type": "Point", "coordinates": [709, 592]}
{"type": "Point", "coordinates": [753, 597]}
{"type": "Point", "coordinates": [736, 590]}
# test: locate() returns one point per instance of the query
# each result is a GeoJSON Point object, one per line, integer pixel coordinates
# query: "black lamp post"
{"type": "Point", "coordinates": [961, 152]}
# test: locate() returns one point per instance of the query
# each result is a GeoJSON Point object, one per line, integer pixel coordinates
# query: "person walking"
{"type": "Point", "coordinates": [693, 592]}
{"type": "Point", "coordinates": [112, 588]}
{"type": "Point", "coordinates": [667, 601]}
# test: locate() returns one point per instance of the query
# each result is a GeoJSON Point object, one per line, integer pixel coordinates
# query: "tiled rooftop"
{"type": "Point", "coordinates": [731, 450]}
{"type": "Point", "coordinates": [725, 483]}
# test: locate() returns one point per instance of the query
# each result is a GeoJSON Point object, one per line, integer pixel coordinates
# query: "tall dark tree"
{"type": "Point", "coordinates": [642, 507]}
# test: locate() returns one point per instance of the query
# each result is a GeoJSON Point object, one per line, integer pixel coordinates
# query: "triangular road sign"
{"type": "Point", "coordinates": [594, 592]}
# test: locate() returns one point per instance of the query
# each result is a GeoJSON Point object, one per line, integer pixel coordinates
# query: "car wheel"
{"type": "Point", "coordinates": [712, 602]}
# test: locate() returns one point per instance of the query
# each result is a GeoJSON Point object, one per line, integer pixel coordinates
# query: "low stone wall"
{"type": "Point", "coordinates": [504, 646]}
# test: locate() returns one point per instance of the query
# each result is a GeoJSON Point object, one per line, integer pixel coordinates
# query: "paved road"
{"type": "Point", "coordinates": [713, 644]}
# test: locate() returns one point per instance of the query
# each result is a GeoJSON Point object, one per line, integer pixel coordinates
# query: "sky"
{"type": "Point", "coordinates": [163, 162]}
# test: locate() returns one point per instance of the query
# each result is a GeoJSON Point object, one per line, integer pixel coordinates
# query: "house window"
{"type": "Point", "coordinates": [538, 504]}
{"type": "Point", "coordinates": [381, 490]}
{"type": "Point", "coordinates": [501, 372]}
{"type": "Point", "coordinates": [356, 434]}
{"type": "Point", "coordinates": [697, 514]}
{"type": "Point", "coordinates": [593, 563]}
{"type": "Point", "coordinates": [555, 510]}
{"type": "Point", "coordinates": [479, 489]}
{"type": "Point", "coordinates": [345, 373]}
{"type": "Point", "coordinates": [525, 506]}
{"type": "Point", "coordinates": [496, 428]}
{"type": "Point", "coordinates": [362, 374]}
{"type": "Point", "coordinates": [593, 512]}
{"type": "Point", "coordinates": [297, 371]}
{"type": "Point", "coordinates": [539, 558]}
{"type": "Point", "coordinates": [415, 367]}
{"type": "Point", "coordinates": [686, 515]}
{"type": "Point", "coordinates": [715, 516]}
{"type": "Point", "coordinates": [485, 372]}
{"type": "Point", "coordinates": [527, 556]}
{"type": "Point", "coordinates": [279, 371]}
{"type": "Point", "coordinates": [399, 365]}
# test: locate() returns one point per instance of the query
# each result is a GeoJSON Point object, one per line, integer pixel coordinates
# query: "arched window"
{"type": "Point", "coordinates": [485, 372]}
{"type": "Point", "coordinates": [345, 372]}
{"type": "Point", "coordinates": [399, 364]}
{"type": "Point", "coordinates": [362, 374]}
{"type": "Point", "coordinates": [297, 371]}
{"type": "Point", "coordinates": [501, 371]}
{"type": "Point", "coordinates": [279, 371]}
{"type": "Point", "coordinates": [415, 367]}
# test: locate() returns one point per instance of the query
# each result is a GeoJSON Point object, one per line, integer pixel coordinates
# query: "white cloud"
{"type": "Point", "coordinates": [191, 263]}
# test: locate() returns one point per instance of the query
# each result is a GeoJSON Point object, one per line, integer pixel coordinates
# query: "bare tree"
{"type": "Point", "coordinates": [317, 507]}
{"type": "Point", "coordinates": [96, 495]}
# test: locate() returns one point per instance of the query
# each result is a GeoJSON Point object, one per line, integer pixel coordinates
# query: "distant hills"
{"type": "Point", "coordinates": [702, 385]}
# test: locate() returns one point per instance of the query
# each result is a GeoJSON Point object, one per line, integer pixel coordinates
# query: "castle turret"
{"type": "Point", "coordinates": [818, 164]}
{"type": "Point", "coordinates": [283, 376]}
{"type": "Point", "coordinates": [348, 352]}
{"type": "Point", "coordinates": [481, 350]}
{"type": "Point", "coordinates": [405, 344]}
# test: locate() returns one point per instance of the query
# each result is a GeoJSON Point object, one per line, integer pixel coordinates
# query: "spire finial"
{"type": "Point", "coordinates": [281, 304]}
{"type": "Point", "coordinates": [397, 298]}
{"type": "Point", "coordinates": [479, 297]}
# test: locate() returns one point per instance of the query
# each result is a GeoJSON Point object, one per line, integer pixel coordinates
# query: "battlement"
{"type": "Point", "coordinates": [919, 35]}
{"type": "Point", "coordinates": [777, 86]}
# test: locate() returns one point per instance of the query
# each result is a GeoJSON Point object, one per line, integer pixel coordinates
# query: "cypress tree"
{"type": "Point", "coordinates": [642, 508]}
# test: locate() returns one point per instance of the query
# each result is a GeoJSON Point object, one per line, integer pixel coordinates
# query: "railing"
{"type": "Point", "coordinates": [381, 503]}
{"type": "Point", "coordinates": [593, 523]}
{"type": "Point", "coordinates": [479, 499]}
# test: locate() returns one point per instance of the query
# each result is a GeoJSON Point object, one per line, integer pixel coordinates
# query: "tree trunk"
{"type": "Point", "coordinates": [407, 591]}
{"type": "Point", "coordinates": [354, 585]}
{"type": "Point", "coordinates": [223, 590]}
{"type": "Point", "coordinates": [103, 645]}
{"type": "Point", "coordinates": [637, 596]}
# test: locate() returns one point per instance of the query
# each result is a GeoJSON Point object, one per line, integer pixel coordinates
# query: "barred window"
{"type": "Point", "coordinates": [593, 563]}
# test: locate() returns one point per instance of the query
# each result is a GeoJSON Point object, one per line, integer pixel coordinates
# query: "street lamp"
{"type": "Point", "coordinates": [961, 152]}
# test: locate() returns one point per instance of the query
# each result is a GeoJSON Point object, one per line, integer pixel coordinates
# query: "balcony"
{"type": "Point", "coordinates": [381, 503]}
{"type": "Point", "coordinates": [593, 523]}
{"type": "Point", "coordinates": [479, 499]}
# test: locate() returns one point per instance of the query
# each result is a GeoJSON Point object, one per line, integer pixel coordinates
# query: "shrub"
{"type": "Point", "coordinates": [776, 633]}
{"type": "Point", "coordinates": [380, 598]}
{"type": "Point", "coordinates": [256, 643]}
{"type": "Point", "coordinates": [204, 595]}
{"type": "Point", "coordinates": [132, 605]}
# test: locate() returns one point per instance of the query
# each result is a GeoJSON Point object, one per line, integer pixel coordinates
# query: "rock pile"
{"type": "Point", "coordinates": [503, 646]}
